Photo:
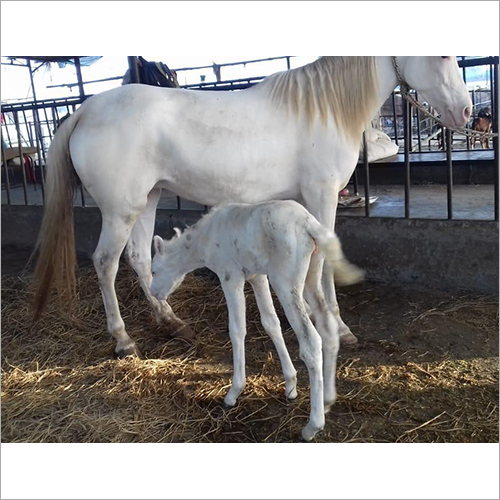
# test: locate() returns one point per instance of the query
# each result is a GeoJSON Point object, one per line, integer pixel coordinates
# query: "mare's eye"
{"type": "Point", "coordinates": [445, 57]}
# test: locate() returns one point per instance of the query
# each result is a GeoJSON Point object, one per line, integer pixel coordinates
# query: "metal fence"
{"type": "Point", "coordinates": [28, 129]}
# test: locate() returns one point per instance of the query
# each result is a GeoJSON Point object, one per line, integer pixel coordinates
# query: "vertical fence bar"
{"type": "Point", "coordinates": [288, 62]}
{"type": "Point", "coordinates": [47, 122]}
{"type": "Point", "coordinates": [491, 88]}
{"type": "Point", "coordinates": [178, 202]}
{"type": "Point", "coordinates": [55, 117]}
{"type": "Point", "coordinates": [418, 127]}
{"type": "Point", "coordinates": [494, 110]}
{"type": "Point", "coordinates": [28, 130]}
{"type": "Point", "coordinates": [355, 181]}
{"type": "Point", "coordinates": [39, 135]}
{"type": "Point", "coordinates": [395, 118]}
{"type": "Point", "coordinates": [464, 74]}
{"type": "Point", "coordinates": [7, 130]}
{"type": "Point", "coordinates": [21, 158]}
{"type": "Point", "coordinates": [367, 175]}
{"type": "Point", "coordinates": [449, 173]}
{"type": "Point", "coordinates": [407, 147]}
{"type": "Point", "coordinates": [6, 170]}
{"type": "Point", "coordinates": [39, 156]}
{"type": "Point", "coordinates": [79, 76]}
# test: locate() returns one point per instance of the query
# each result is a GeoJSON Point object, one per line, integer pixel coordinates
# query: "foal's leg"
{"type": "Point", "coordinates": [114, 235]}
{"type": "Point", "coordinates": [272, 326]}
{"type": "Point", "coordinates": [289, 292]}
{"type": "Point", "coordinates": [327, 327]}
{"type": "Point", "coordinates": [324, 208]}
{"type": "Point", "coordinates": [139, 257]}
{"type": "Point", "coordinates": [235, 298]}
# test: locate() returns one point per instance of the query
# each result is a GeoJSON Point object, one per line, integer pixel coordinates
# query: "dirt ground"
{"type": "Point", "coordinates": [425, 369]}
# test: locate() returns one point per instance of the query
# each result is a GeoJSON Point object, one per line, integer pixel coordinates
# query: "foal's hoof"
{"type": "Point", "coordinates": [348, 339]}
{"type": "Point", "coordinates": [130, 350]}
{"type": "Point", "coordinates": [307, 435]}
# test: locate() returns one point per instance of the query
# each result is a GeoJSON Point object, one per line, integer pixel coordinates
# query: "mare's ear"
{"type": "Point", "coordinates": [178, 233]}
{"type": "Point", "coordinates": [158, 245]}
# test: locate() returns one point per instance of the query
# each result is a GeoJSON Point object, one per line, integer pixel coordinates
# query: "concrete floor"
{"type": "Point", "coordinates": [470, 202]}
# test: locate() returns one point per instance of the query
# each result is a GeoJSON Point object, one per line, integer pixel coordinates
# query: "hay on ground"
{"type": "Point", "coordinates": [425, 370]}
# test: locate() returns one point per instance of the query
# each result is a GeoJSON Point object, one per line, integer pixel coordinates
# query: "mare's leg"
{"type": "Point", "coordinates": [114, 235]}
{"type": "Point", "coordinates": [324, 208]}
{"type": "Point", "coordinates": [235, 297]}
{"type": "Point", "coordinates": [139, 257]}
{"type": "Point", "coordinates": [327, 327]}
{"type": "Point", "coordinates": [272, 326]}
{"type": "Point", "coordinates": [289, 291]}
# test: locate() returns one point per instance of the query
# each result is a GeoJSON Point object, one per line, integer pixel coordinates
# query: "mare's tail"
{"type": "Point", "coordinates": [56, 240]}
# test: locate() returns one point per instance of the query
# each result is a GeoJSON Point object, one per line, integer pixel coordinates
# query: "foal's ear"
{"type": "Point", "coordinates": [158, 244]}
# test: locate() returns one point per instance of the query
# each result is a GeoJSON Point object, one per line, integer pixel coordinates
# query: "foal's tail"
{"type": "Point", "coordinates": [328, 244]}
{"type": "Point", "coordinates": [56, 240]}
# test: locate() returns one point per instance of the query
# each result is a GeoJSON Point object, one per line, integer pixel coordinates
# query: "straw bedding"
{"type": "Point", "coordinates": [425, 370]}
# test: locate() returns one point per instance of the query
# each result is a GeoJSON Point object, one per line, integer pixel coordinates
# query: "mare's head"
{"type": "Point", "coordinates": [166, 275]}
{"type": "Point", "coordinates": [439, 82]}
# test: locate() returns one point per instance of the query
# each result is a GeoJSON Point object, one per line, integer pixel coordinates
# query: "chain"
{"type": "Point", "coordinates": [405, 92]}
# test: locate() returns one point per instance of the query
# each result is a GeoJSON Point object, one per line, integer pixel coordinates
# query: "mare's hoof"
{"type": "Point", "coordinates": [348, 339]}
{"type": "Point", "coordinates": [130, 350]}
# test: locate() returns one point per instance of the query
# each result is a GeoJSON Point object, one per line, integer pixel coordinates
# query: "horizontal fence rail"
{"type": "Point", "coordinates": [28, 129]}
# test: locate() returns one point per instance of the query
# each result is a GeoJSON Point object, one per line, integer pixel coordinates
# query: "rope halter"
{"type": "Point", "coordinates": [405, 92]}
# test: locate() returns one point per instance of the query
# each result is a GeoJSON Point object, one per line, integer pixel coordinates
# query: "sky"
{"type": "Point", "coordinates": [16, 82]}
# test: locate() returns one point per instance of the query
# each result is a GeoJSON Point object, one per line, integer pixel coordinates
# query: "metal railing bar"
{"type": "Point", "coordinates": [395, 118]}
{"type": "Point", "coordinates": [21, 157]}
{"type": "Point", "coordinates": [495, 139]}
{"type": "Point", "coordinates": [41, 164]}
{"type": "Point", "coordinates": [47, 122]}
{"type": "Point", "coordinates": [6, 170]}
{"type": "Point", "coordinates": [7, 127]}
{"type": "Point", "coordinates": [367, 175]}
{"type": "Point", "coordinates": [39, 134]}
{"type": "Point", "coordinates": [26, 124]}
{"type": "Point", "coordinates": [419, 135]}
{"type": "Point", "coordinates": [481, 61]}
{"type": "Point", "coordinates": [48, 103]}
{"type": "Point", "coordinates": [407, 146]}
{"type": "Point", "coordinates": [449, 174]}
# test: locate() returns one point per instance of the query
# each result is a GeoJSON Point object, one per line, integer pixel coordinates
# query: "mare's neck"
{"type": "Point", "coordinates": [387, 80]}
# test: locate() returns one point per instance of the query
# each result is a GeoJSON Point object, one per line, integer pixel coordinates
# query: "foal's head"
{"type": "Point", "coordinates": [167, 276]}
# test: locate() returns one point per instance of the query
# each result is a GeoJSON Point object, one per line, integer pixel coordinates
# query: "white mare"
{"type": "Point", "coordinates": [294, 136]}
{"type": "Point", "coordinates": [241, 242]}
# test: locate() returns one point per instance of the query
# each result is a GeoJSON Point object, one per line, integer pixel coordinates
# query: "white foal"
{"type": "Point", "coordinates": [247, 242]}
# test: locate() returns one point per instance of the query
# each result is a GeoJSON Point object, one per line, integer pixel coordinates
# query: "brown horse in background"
{"type": "Point", "coordinates": [482, 123]}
